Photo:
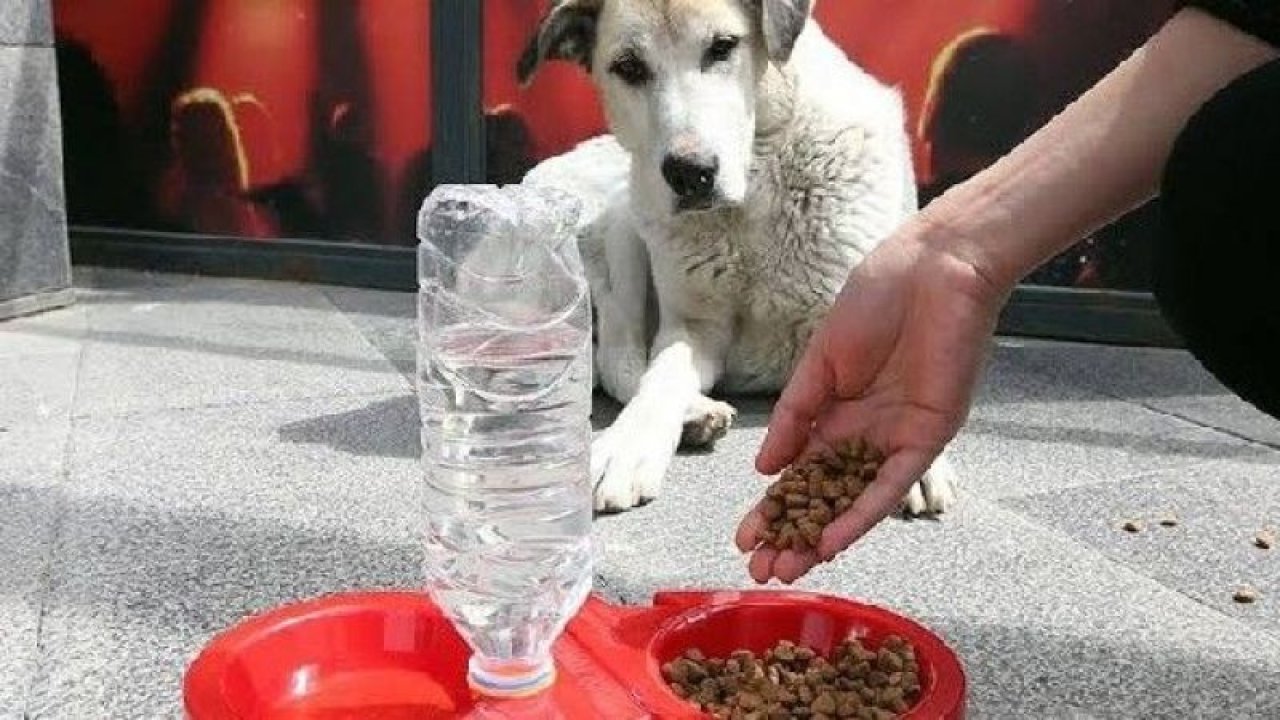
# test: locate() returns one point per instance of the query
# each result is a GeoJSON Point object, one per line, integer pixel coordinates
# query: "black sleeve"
{"type": "Point", "coordinates": [1260, 18]}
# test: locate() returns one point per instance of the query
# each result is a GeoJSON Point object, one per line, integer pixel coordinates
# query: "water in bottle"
{"type": "Point", "coordinates": [504, 382]}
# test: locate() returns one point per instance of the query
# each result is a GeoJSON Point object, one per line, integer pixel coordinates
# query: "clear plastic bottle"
{"type": "Point", "coordinates": [504, 385]}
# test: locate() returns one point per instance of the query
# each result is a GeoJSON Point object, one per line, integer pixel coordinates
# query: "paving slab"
{"type": "Point", "coordinates": [37, 387]}
{"type": "Point", "coordinates": [28, 517]}
{"type": "Point", "coordinates": [179, 523]}
{"type": "Point", "coordinates": [35, 413]}
{"type": "Point", "coordinates": [388, 320]}
{"type": "Point", "coordinates": [1219, 509]}
{"type": "Point", "coordinates": [35, 399]}
{"type": "Point", "coordinates": [1049, 628]}
{"type": "Point", "coordinates": [55, 332]}
{"type": "Point", "coordinates": [139, 588]}
{"type": "Point", "coordinates": [1171, 381]}
{"type": "Point", "coordinates": [180, 342]}
{"type": "Point", "coordinates": [1227, 413]}
{"type": "Point", "coordinates": [342, 461]}
{"type": "Point", "coordinates": [1032, 432]}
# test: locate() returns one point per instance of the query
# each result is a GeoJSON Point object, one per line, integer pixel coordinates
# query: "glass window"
{"type": "Point", "coordinates": [265, 119]}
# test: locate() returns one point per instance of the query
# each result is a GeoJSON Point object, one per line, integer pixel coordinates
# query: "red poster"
{"type": "Point", "coordinates": [257, 119]}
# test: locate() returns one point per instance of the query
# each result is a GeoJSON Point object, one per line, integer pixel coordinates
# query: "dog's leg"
{"type": "Point", "coordinates": [631, 458]}
{"type": "Point", "coordinates": [621, 320]}
{"type": "Point", "coordinates": [596, 267]}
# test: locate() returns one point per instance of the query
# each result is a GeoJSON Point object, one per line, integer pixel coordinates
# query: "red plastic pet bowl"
{"type": "Point", "coordinates": [393, 656]}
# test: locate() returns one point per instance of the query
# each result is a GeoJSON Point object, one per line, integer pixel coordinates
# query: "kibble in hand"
{"type": "Point", "coordinates": [811, 494]}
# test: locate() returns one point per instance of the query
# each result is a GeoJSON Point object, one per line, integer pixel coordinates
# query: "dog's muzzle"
{"type": "Point", "coordinates": [692, 178]}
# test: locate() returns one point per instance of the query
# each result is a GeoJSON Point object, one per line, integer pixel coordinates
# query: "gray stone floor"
{"type": "Point", "coordinates": [177, 452]}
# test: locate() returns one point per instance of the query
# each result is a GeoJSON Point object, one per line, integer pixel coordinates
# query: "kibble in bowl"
{"type": "Point", "coordinates": [796, 681]}
{"type": "Point", "coordinates": [776, 655]}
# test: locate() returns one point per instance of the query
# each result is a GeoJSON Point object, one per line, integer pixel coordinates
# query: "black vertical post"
{"type": "Point", "coordinates": [457, 42]}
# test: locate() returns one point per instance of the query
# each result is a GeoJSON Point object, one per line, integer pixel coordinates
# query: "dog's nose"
{"type": "Point", "coordinates": [691, 177]}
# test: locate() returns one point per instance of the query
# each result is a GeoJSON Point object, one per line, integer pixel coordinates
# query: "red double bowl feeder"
{"type": "Point", "coordinates": [394, 656]}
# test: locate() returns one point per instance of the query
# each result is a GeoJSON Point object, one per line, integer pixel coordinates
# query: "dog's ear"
{"type": "Point", "coordinates": [567, 32]}
{"type": "Point", "coordinates": [782, 22]}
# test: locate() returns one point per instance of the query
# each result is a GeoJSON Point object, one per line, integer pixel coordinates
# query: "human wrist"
{"type": "Point", "coordinates": [969, 223]}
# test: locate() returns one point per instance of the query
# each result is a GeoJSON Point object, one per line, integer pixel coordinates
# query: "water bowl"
{"type": "Point", "coordinates": [387, 656]}
{"type": "Point", "coordinates": [393, 656]}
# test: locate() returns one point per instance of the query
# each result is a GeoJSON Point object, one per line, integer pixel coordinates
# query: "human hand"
{"type": "Point", "coordinates": [894, 363]}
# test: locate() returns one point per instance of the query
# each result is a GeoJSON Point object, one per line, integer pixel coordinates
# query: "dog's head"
{"type": "Point", "coordinates": [679, 82]}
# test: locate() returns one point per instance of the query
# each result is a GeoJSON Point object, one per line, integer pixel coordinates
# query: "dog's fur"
{"type": "Point", "coordinates": [717, 279]}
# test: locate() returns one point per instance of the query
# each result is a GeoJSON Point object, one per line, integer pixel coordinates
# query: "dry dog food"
{"type": "Point", "coordinates": [1245, 595]}
{"type": "Point", "coordinates": [793, 681]}
{"type": "Point", "coordinates": [809, 495]}
{"type": "Point", "coordinates": [1137, 525]}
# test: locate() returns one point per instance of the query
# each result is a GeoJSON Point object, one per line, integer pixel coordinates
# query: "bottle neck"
{"type": "Point", "coordinates": [510, 679]}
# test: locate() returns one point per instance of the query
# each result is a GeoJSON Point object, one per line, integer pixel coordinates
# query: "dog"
{"type": "Point", "coordinates": [748, 167]}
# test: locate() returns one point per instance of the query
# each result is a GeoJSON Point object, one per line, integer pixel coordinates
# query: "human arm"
{"type": "Point", "coordinates": [1098, 159]}
{"type": "Point", "coordinates": [898, 357]}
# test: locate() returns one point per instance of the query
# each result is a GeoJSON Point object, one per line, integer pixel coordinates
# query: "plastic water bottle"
{"type": "Point", "coordinates": [504, 384]}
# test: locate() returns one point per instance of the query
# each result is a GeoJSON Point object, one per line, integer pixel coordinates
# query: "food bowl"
{"type": "Point", "coordinates": [758, 621]}
{"type": "Point", "coordinates": [393, 656]}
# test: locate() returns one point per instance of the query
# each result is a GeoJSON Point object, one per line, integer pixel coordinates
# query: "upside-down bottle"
{"type": "Point", "coordinates": [504, 384]}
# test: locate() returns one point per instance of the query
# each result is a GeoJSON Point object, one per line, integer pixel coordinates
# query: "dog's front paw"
{"type": "Point", "coordinates": [934, 493]}
{"type": "Point", "coordinates": [706, 422]}
{"type": "Point", "coordinates": [630, 460]}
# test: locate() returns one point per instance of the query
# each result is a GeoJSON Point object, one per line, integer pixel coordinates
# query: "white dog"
{"type": "Point", "coordinates": [751, 165]}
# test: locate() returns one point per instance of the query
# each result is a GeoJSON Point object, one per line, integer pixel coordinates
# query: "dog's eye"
{"type": "Point", "coordinates": [722, 48]}
{"type": "Point", "coordinates": [631, 70]}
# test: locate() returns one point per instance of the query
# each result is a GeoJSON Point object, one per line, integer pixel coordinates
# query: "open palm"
{"type": "Point", "coordinates": [895, 363]}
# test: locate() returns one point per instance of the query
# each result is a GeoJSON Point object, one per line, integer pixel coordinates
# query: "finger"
{"type": "Point", "coordinates": [761, 565]}
{"type": "Point", "coordinates": [750, 530]}
{"type": "Point", "coordinates": [881, 498]}
{"type": "Point", "coordinates": [805, 395]}
{"type": "Point", "coordinates": [791, 566]}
